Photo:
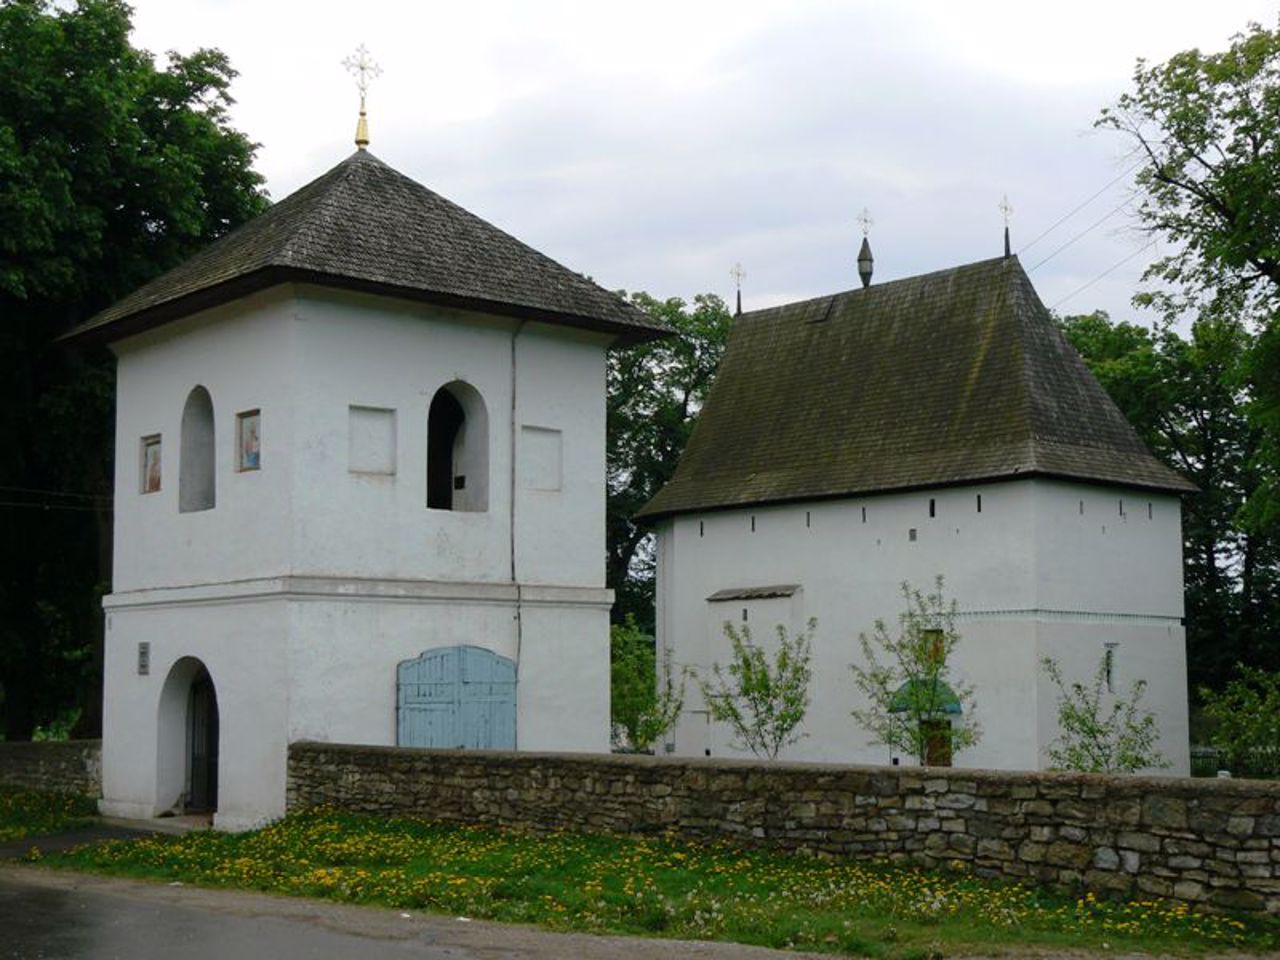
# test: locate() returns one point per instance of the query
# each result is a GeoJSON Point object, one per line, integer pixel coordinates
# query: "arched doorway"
{"type": "Point", "coordinates": [202, 748]}
{"type": "Point", "coordinates": [188, 747]}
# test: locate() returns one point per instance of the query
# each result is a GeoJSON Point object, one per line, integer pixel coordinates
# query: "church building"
{"type": "Point", "coordinates": [938, 424]}
{"type": "Point", "coordinates": [359, 497]}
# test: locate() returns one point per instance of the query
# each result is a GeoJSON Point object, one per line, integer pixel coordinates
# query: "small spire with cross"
{"type": "Point", "coordinates": [865, 261]}
{"type": "Point", "coordinates": [362, 66]}
{"type": "Point", "coordinates": [738, 274]}
{"type": "Point", "coordinates": [1006, 209]}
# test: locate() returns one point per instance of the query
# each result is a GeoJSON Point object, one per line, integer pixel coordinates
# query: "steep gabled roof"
{"type": "Point", "coordinates": [952, 377]}
{"type": "Point", "coordinates": [365, 226]}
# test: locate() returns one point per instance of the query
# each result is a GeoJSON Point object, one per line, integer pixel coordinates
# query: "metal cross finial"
{"type": "Point", "coordinates": [864, 218]}
{"type": "Point", "coordinates": [1006, 208]}
{"type": "Point", "coordinates": [738, 273]}
{"type": "Point", "coordinates": [362, 66]}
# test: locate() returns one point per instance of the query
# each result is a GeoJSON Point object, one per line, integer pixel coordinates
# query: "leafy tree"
{"type": "Point", "coordinates": [1192, 400]}
{"type": "Point", "coordinates": [643, 704]}
{"type": "Point", "coordinates": [111, 171]}
{"type": "Point", "coordinates": [1099, 732]}
{"type": "Point", "coordinates": [1246, 721]}
{"type": "Point", "coordinates": [913, 704]}
{"type": "Point", "coordinates": [763, 702]}
{"type": "Point", "coordinates": [654, 394]}
{"type": "Point", "coordinates": [1207, 127]}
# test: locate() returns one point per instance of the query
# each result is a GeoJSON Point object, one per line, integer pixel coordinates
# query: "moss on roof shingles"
{"type": "Point", "coordinates": [363, 225]}
{"type": "Point", "coordinates": [951, 377]}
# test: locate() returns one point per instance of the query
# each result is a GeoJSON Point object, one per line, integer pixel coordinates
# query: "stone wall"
{"type": "Point", "coordinates": [1214, 842]}
{"type": "Point", "coordinates": [71, 765]}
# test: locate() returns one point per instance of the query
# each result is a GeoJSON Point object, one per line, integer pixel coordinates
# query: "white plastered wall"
{"type": "Point", "coordinates": [367, 574]}
{"type": "Point", "coordinates": [243, 357]}
{"type": "Point", "coordinates": [1031, 574]}
{"type": "Point", "coordinates": [344, 652]}
{"type": "Point", "coordinates": [242, 646]}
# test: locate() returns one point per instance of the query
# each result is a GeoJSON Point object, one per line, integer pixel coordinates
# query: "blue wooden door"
{"type": "Point", "coordinates": [457, 697]}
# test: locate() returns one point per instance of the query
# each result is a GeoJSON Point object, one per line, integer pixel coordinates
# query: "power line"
{"type": "Point", "coordinates": [33, 505]}
{"type": "Point", "coordinates": [1083, 233]}
{"type": "Point", "coordinates": [56, 493]}
{"type": "Point", "coordinates": [1080, 206]}
{"type": "Point", "coordinates": [1111, 269]}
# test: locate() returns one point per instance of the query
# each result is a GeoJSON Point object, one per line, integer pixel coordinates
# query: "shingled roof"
{"type": "Point", "coordinates": [951, 377]}
{"type": "Point", "coordinates": [365, 226]}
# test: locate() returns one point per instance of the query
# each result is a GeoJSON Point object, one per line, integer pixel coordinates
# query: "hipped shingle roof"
{"type": "Point", "coordinates": [951, 377]}
{"type": "Point", "coordinates": [365, 226]}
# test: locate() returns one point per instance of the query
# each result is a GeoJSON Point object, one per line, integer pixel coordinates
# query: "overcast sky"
{"type": "Point", "coordinates": [651, 145]}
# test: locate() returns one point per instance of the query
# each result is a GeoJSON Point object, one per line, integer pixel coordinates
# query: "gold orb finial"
{"type": "Point", "coordinates": [362, 66]}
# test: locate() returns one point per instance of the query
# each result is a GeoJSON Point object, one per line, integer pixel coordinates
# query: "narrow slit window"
{"type": "Point", "coordinates": [1109, 666]}
{"type": "Point", "coordinates": [979, 503]}
{"type": "Point", "coordinates": [807, 519]}
{"type": "Point", "coordinates": [1120, 503]}
{"type": "Point", "coordinates": [933, 507]}
{"type": "Point", "coordinates": [1150, 510]}
{"type": "Point", "coordinates": [701, 528]}
{"type": "Point", "coordinates": [864, 514]}
{"type": "Point", "coordinates": [1082, 508]}
{"type": "Point", "coordinates": [753, 523]}
{"type": "Point", "coordinates": [911, 534]}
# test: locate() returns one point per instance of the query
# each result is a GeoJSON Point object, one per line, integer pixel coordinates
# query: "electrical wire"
{"type": "Point", "coordinates": [56, 493]}
{"type": "Point", "coordinates": [1111, 269]}
{"type": "Point", "coordinates": [32, 505]}
{"type": "Point", "coordinates": [1083, 233]}
{"type": "Point", "coordinates": [1080, 206]}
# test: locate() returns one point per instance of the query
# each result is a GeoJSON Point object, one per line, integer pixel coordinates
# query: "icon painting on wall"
{"type": "Point", "coordinates": [150, 464]}
{"type": "Point", "coordinates": [248, 440]}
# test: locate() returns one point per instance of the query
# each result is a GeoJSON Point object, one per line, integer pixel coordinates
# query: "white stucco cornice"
{"type": "Point", "coordinates": [1067, 616]}
{"type": "Point", "coordinates": [351, 589]}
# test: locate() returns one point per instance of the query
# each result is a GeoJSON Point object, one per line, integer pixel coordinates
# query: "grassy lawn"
{"type": "Point", "coordinates": [663, 886]}
{"type": "Point", "coordinates": [26, 814]}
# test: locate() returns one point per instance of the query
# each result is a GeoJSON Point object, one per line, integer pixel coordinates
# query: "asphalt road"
{"type": "Point", "coordinates": [54, 915]}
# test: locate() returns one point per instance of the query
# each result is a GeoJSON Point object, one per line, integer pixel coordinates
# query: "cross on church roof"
{"type": "Point", "coordinates": [738, 273]}
{"type": "Point", "coordinates": [363, 67]}
{"type": "Point", "coordinates": [864, 218]}
{"type": "Point", "coordinates": [1006, 208]}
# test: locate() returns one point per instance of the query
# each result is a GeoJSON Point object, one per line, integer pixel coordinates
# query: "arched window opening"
{"type": "Point", "coordinates": [196, 483]}
{"type": "Point", "coordinates": [457, 450]}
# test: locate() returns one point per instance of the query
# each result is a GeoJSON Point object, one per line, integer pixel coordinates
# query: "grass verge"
{"type": "Point", "coordinates": [26, 813]}
{"type": "Point", "coordinates": [661, 885]}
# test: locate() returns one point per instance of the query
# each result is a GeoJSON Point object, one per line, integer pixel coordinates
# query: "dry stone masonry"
{"type": "Point", "coordinates": [73, 766]}
{"type": "Point", "coordinates": [1207, 842]}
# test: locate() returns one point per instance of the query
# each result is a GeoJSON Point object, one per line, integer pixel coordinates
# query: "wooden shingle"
{"type": "Point", "coordinates": [365, 226]}
{"type": "Point", "coordinates": [952, 377]}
